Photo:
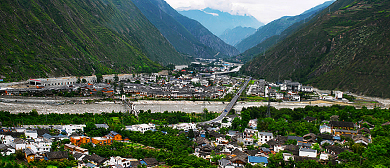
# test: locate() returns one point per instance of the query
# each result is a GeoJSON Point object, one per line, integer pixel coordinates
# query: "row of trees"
{"type": "Point", "coordinates": [33, 118]}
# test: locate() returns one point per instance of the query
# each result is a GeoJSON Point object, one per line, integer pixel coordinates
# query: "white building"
{"type": "Point", "coordinates": [70, 129]}
{"type": "Point", "coordinates": [287, 156]}
{"type": "Point", "coordinates": [325, 129]}
{"type": "Point", "coordinates": [118, 162]}
{"type": "Point", "coordinates": [31, 134]}
{"type": "Point", "coordinates": [324, 156]}
{"type": "Point", "coordinates": [308, 152]}
{"type": "Point", "coordinates": [6, 139]}
{"type": "Point", "coordinates": [338, 94]}
{"type": "Point", "coordinates": [185, 126]}
{"type": "Point", "coordinates": [264, 137]}
{"type": "Point", "coordinates": [141, 127]}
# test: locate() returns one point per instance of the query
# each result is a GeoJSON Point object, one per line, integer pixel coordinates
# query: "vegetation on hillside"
{"type": "Point", "coordinates": [346, 48]}
{"type": "Point", "coordinates": [40, 38]}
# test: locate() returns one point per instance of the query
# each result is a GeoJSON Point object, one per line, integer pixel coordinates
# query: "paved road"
{"type": "Point", "coordinates": [230, 105]}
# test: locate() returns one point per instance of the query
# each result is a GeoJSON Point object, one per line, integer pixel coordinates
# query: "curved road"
{"type": "Point", "coordinates": [230, 105]}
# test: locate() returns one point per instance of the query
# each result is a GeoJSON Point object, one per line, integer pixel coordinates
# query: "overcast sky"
{"type": "Point", "coordinates": [263, 10]}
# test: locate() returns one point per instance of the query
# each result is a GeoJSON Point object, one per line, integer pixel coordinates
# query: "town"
{"type": "Point", "coordinates": [254, 136]}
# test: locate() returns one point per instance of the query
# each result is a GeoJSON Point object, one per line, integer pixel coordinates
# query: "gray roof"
{"type": "Point", "coordinates": [307, 150]}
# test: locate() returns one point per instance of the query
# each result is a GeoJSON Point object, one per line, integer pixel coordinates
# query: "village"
{"type": "Point", "coordinates": [233, 149]}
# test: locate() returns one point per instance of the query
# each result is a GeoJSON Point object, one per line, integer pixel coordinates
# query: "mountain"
{"type": "Point", "coordinates": [233, 36]}
{"type": "Point", "coordinates": [217, 21]}
{"type": "Point", "coordinates": [173, 31]}
{"type": "Point", "coordinates": [276, 27]}
{"type": "Point", "coordinates": [40, 38]}
{"type": "Point", "coordinates": [345, 47]}
{"type": "Point", "coordinates": [171, 24]}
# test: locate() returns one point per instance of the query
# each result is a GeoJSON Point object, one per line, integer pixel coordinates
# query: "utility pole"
{"type": "Point", "coordinates": [269, 102]}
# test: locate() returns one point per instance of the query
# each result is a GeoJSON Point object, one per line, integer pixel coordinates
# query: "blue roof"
{"type": "Point", "coordinates": [336, 138]}
{"type": "Point", "coordinates": [257, 159]}
{"type": "Point", "coordinates": [143, 162]}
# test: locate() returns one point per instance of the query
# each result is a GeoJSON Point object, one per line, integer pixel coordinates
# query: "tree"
{"type": "Point", "coordinates": [99, 78]}
{"type": "Point", "coordinates": [191, 134]}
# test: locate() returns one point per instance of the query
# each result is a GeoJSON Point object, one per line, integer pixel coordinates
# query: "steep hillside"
{"type": "Point", "coordinates": [41, 38]}
{"type": "Point", "coordinates": [233, 36]}
{"type": "Point", "coordinates": [198, 31]}
{"type": "Point", "coordinates": [276, 27]}
{"type": "Point", "coordinates": [218, 22]}
{"type": "Point", "coordinates": [346, 48]}
{"type": "Point", "coordinates": [176, 34]}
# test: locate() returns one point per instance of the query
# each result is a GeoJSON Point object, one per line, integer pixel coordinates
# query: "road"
{"type": "Point", "coordinates": [230, 105]}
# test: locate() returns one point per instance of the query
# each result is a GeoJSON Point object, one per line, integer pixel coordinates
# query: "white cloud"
{"type": "Point", "coordinates": [263, 10]}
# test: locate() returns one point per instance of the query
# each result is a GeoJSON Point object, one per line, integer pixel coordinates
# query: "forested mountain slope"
{"type": "Point", "coordinates": [235, 35]}
{"type": "Point", "coordinates": [346, 48]}
{"type": "Point", "coordinates": [201, 33]}
{"type": "Point", "coordinates": [42, 38]}
{"type": "Point", "coordinates": [276, 27]}
{"type": "Point", "coordinates": [176, 34]}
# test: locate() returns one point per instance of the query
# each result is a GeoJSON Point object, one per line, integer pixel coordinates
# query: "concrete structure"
{"type": "Point", "coordinates": [308, 152]}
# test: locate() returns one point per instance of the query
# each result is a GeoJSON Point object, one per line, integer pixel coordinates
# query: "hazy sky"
{"type": "Point", "coordinates": [263, 10]}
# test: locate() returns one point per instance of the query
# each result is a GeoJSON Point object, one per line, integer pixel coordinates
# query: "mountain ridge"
{"type": "Point", "coordinates": [200, 32]}
{"type": "Point", "coordinates": [344, 48]}
{"type": "Point", "coordinates": [211, 17]}
{"type": "Point", "coordinates": [41, 38]}
{"type": "Point", "coordinates": [276, 27]}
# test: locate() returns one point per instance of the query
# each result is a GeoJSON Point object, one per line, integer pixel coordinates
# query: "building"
{"type": "Point", "coordinates": [101, 140]}
{"type": "Point", "coordinates": [257, 160]}
{"type": "Point", "coordinates": [307, 152]}
{"type": "Point", "coordinates": [141, 127]}
{"type": "Point", "coordinates": [76, 149]}
{"type": "Point", "coordinates": [70, 129]}
{"type": "Point", "coordinates": [114, 136]}
{"type": "Point", "coordinates": [78, 140]}
{"type": "Point", "coordinates": [264, 137]}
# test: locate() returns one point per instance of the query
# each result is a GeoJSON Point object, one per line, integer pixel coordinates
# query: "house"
{"type": "Point", "coordinates": [307, 89]}
{"type": "Point", "coordinates": [76, 149]}
{"type": "Point", "coordinates": [239, 160]}
{"type": "Point", "coordinates": [249, 133]}
{"type": "Point", "coordinates": [257, 160]}
{"type": "Point", "coordinates": [339, 132]}
{"type": "Point", "coordinates": [151, 162]}
{"type": "Point", "coordinates": [29, 155]}
{"type": "Point", "coordinates": [264, 137]}
{"type": "Point", "coordinates": [253, 124]}
{"type": "Point", "coordinates": [101, 140]}
{"type": "Point", "coordinates": [338, 95]}
{"type": "Point", "coordinates": [141, 127]}
{"type": "Point", "coordinates": [19, 144]}
{"type": "Point", "coordinates": [6, 149]}
{"type": "Point", "coordinates": [185, 126]}
{"type": "Point", "coordinates": [324, 156]}
{"type": "Point", "coordinates": [325, 129]}
{"type": "Point", "coordinates": [116, 162]}
{"type": "Point", "coordinates": [31, 134]}
{"type": "Point", "coordinates": [287, 157]}
{"type": "Point", "coordinates": [223, 163]}
{"type": "Point", "coordinates": [361, 139]}
{"type": "Point", "coordinates": [342, 125]}
{"type": "Point", "coordinates": [57, 155]}
{"type": "Point", "coordinates": [94, 159]}
{"type": "Point", "coordinates": [114, 136]}
{"type": "Point", "coordinates": [78, 140]}
{"type": "Point", "coordinates": [308, 152]}
{"type": "Point", "coordinates": [70, 129]}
